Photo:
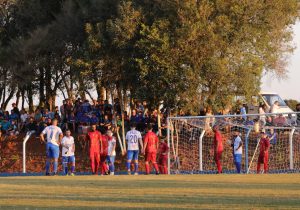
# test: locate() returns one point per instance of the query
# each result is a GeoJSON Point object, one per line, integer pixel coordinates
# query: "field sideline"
{"type": "Point", "coordinates": [280, 191]}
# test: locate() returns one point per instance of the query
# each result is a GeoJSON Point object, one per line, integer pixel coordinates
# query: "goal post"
{"type": "Point", "coordinates": [190, 140]}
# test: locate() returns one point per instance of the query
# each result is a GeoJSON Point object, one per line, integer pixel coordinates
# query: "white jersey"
{"type": "Point", "coordinates": [111, 144]}
{"type": "Point", "coordinates": [236, 144]}
{"type": "Point", "coordinates": [67, 149]}
{"type": "Point", "coordinates": [52, 133]}
{"type": "Point", "coordinates": [132, 138]}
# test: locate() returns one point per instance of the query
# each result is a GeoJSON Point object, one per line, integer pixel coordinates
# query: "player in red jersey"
{"type": "Point", "coordinates": [218, 148]}
{"type": "Point", "coordinates": [94, 141]}
{"type": "Point", "coordinates": [263, 158]}
{"type": "Point", "coordinates": [151, 145]}
{"type": "Point", "coordinates": [103, 155]}
{"type": "Point", "coordinates": [163, 150]}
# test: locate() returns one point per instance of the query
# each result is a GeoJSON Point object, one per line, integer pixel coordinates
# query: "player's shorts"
{"type": "Point", "coordinates": [263, 158]}
{"type": "Point", "coordinates": [150, 156]}
{"type": "Point", "coordinates": [218, 156]}
{"type": "Point", "coordinates": [162, 160]}
{"type": "Point", "coordinates": [237, 158]}
{"type": "Point", "coordinates": [95, 154]}
{"type": "Point", "coordinates": [110, 159]}
{"type": "Point", "coordinates": [52, 150]}
{"type": "Point", "coordinates": [132, 154]}
{"type": "Point", "coordinates": [68, 159]}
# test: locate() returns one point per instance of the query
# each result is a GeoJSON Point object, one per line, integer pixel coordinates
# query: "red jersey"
{"type": "Point", "coordinates": [105, 144]}
{"type": "Point", "coordinates": [218, 140]}
{"type": "Point", "coordinates": [152, 140]}
{"type": "Point", "coordinates": [264, 145]}
{"type": "Point", "coordinates": [94, 139]}
{"type": "Point", "coordinates": [163, 148]}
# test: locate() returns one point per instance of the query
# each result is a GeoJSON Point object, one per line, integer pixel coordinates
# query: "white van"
{"type": "Point", "coordinates": [269, 99]}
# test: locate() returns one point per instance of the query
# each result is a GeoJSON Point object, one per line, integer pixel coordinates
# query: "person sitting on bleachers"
{"type": "Point", "coordinates": [86, 107]}
{"type": "Point", "coordinates": [94, 119]}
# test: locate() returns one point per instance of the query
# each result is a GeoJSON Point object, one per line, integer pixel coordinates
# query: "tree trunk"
{"type": "Point", "coordinates": [81, 88]}
{"type": "Point", "coordinates": [10, 96]}
{"type": "Point", "coordinates": [89, 94]}
{"type": "Point", "coordinates": [42, 87]}
{"type": "Point", "coordinates": [30, 98]}
{"type": "Point", "coordinates": [1, 92]}
{"type": "Point", "coordinates": [18, 95]}
{"type": "Point", "coordinates": [158, 121]}
{"type": "Point", "coordinates": [4, 95]}
{"type": "Point", "coordinates": [23, 98]}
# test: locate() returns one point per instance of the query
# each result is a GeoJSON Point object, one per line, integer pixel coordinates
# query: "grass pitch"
{"type": "Point", "coordinates": [152, 192]}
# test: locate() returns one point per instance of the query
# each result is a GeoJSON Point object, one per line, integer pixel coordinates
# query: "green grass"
{"type": "Point", "coordinates": [152, 192]}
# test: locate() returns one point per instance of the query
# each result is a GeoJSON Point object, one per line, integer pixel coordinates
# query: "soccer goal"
{"type": "Point", "coordinates": [191, 139]}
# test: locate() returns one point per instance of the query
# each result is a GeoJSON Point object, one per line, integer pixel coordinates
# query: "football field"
{"type": "Point", "coordinates": [152, 192]}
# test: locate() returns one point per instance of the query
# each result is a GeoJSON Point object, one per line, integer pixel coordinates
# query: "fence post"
{"type": "Point", "coordinates": [168, 137]}
{"type": "Point", "coordinates": [201, 150]}
{"type": "Point", "coordinates": [246, 149]}
{"type": "Point", "coordinates": [291, 149]}
{"type": "Point", "coordinates": [28, 134]}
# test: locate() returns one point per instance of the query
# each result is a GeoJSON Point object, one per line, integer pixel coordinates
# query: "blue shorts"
{"type": "Point", "coordinates": [132, 154]}
{"type": "Point", "coordinates": [68, 159]}
{"type": "Point", "coordinates": [237, 158]}
{"type": "Point", "coordinates": [110, 159]}
{"type": "Point", "coordinates": [52, 150]}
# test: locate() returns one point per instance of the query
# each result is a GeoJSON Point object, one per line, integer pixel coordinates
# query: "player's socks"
{"type": "Point", "coordinates": [128, 166]}
{"type": "Point", "coordinates": [112, 168]}
{"type": "Point", "coordinates": [72, 169]}
{"type": "Point", "coordinates": [156, 167]}
{"type": "Point", "coordinates": [165, 170]}
{"type": "Point", "coordinates": [55, 164]}
{"type": "Point", "coordinates": [66, 170]}
{"type": "Point", "coordinates": [238, 167]}
{"type": "Point", "coordinates": [47, 166]}
{"type": "Point", "coordinates": [136, 167]}
{"type": "Point", "coordinates": [147, 168]}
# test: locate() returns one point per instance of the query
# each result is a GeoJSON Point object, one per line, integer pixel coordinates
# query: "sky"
{"type": "Point", "coordinates": [288, 88]}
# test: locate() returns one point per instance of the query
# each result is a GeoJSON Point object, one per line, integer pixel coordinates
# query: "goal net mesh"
{"type": "Point", "coordinates": [191, 143]}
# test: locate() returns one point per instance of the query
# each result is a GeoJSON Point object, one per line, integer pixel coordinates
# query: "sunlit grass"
{"type": "Point", "coordinates": [152, 192]}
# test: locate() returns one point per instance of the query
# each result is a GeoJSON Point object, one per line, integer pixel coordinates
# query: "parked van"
{"type": "Point", "coordinates": [269, 98]}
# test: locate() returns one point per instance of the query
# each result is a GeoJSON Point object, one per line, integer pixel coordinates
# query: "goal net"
{"type": "Point", "coordinates": [191, 142]}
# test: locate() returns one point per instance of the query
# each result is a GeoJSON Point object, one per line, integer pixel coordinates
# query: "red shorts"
{"type": "Point", "coordinates": [162, 160]}
{"type": "Point", "coordinates": [150, 156]}
{"type": "Point", "coordinates": [218, 155]}
{"type": "Point", "coordinates": [263, 158]}
{"type": "Point", "coordinates": [95, 155]}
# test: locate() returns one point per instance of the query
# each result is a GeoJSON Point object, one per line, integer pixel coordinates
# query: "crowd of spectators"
{"type": "Point", "coordinates": [77, 115]}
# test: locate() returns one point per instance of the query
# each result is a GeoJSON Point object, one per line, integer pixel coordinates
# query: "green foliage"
{"type": "Point", "coordinates": [292, 103]}
{"type": "Point", "coordinates": [181, 54]}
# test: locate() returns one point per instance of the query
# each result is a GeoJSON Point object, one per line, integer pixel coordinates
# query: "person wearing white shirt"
{"type": "Point", "coordinates": [111, 151]}
{"type": "Point", "coordinates": [68, 153]}
{"type": "Point", "coordinates": [237, 146]}
{"type": "Point", "coordinates": [275, 107]}
{"type": "Point", "coordinates": [53, 138]}
{"type": "Point", "coordinates": [133, 139]}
